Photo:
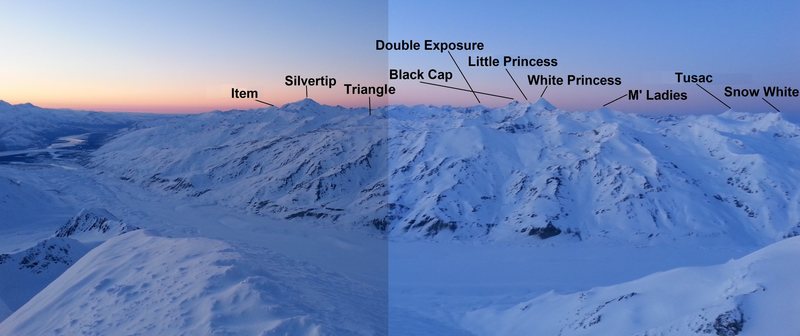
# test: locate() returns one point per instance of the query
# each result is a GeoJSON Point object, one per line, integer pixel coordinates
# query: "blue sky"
{"type": "Point", "coordinates": [742, 43]}
{"type": "Point", "coordinates": [185, 56]}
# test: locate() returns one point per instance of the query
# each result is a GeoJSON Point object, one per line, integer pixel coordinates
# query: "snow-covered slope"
{"type": "Point", "coordinates": [524, 170]}
{"type": "Point", "coordinates": [141, 284]}
{"type": "Point", "coordinates": [755, 295]}
{"type": "Point", "coordinates": [25, 273]}
{"type": "Point", "coordinates": [21, 204]}
{"type": "Point", "coordinates": [26, 125]}
{"type": "Point", "coordinates": [303, 160]}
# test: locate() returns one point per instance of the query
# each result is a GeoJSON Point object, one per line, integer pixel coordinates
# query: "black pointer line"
{"type": "Point", "coordinates": [465, 77]}
{"type": "Point", "coordinates": [263, 102]}
{"type": "Point", "coordinates": [515, 83]}
{"type": "Point", "coordinates": [460, 89]}
{"type": "Point", "coordinates": [545, 89]}
{"type": "Point", "coordinates": [715, 97]}
{"type": "Point", "coordinates": [306, 91]}
{"type": "Point", "coordinates": [770, 104]}
{"type": "Point", "coordinates": [609, 103]}
{"type": "Point", "coordinates": [369, 101]}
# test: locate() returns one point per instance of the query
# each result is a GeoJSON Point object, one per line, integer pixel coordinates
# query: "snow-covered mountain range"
{"type": "Point", "coordinates": [286, 220]}
{"type": "Point", "coordinates": [302, 161]}
{"type": "Point", "coordinates": [28, 126]}
{"type": "Point", "coordinates": [531, 169]}
{"type": "Point", "coordinates": [523, 170]}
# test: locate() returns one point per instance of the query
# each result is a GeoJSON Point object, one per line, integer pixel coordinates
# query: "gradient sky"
{"type": "Point", "coordinates": [159, 56]}
{"type": "Point", "coordinates": [182, 56]}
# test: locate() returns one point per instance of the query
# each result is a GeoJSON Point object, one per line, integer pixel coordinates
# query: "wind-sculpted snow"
{"type": "Point", "coordinates": [524, 170]}
{"type": "Point", "coordinates": [141, 284]}
{"type": "Point", "coordinates": [754, 295]}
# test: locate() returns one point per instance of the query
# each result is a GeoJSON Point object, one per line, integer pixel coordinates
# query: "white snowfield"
{"type": "Point", "coordinates": [758, 294]}
{"type": "Point", "coordinates": [275, 222]}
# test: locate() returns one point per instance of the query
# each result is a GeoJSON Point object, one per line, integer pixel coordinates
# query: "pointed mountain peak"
{"type": "Point", "coordinates": [544, 104]}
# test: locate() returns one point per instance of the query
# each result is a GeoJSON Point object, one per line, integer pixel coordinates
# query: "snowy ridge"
{"type": "Point", "coordinates": [130, 283]}
{"type": "Point", "coordinates": [515, 172]}
{"type": "Point", "coordinates": [25, 273]}
{"type": "Point", "coordinates": [754, 295]}
{"type": "Point", "coordinates": [91, 225]}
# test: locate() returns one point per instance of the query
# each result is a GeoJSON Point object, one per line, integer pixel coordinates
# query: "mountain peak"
{"type": "Point", "coordinates": [305, 103]}
{"type": "Point", "coordinates": [26, 105]}
{"type": "Point", "coordinates": [539, 104]}
{"type": "Point", "coordinates": [544, 104]}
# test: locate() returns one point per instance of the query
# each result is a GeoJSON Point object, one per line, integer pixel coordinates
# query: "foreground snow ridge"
{"type": "Point", "coordinates": [756, 295]}
{"type": "Point", "coordinates": [139, 284]}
